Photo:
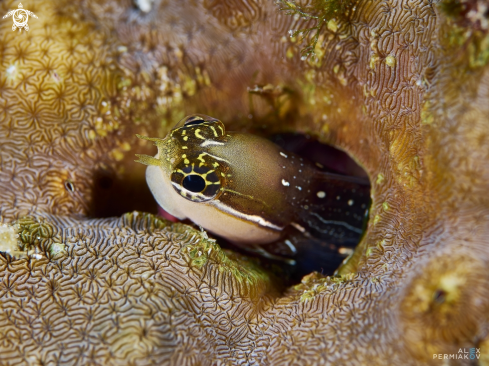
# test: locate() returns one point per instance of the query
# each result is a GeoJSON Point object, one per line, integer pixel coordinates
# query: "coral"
{"type": "Point", "coordinates": [122, 293]}
{"type": "Point", "coordinates": [400, 85]}
{"type": "Point", "coordinates": [51, 84]}
{"type": "Point", "coordinates": [322, 13]}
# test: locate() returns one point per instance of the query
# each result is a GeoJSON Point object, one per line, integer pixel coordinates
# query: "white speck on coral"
{"type": "Point", "coordinates": [144, 5]}
{"type": "Point", "coordinates": [8, 239]}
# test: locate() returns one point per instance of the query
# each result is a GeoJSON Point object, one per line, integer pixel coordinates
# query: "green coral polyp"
{"type": "Point", "coordinates": [201, 252]}
{"type": "Point", "coordinates": [32, 231]}
{"type": "Point", "coordinates": [323, 12]}
{"type": "Point", "coordinates": [152, 222]}
{"type": "Point", "coordinates": [315, 283]}
{"type": "Point", "coordinates": [452, 8]}
{"type": "Point", "coordinates": [252, 279]}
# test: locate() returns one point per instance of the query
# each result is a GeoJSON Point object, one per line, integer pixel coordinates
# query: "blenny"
{"type": "Point", "coordinates": [247, 189]}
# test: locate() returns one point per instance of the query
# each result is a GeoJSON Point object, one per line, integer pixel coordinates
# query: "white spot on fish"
{"type": "Point", "coordinates": [350, 203]}
{"type": "Point", "coordinates": [281, 153]}
{"type": "Point", "coordinates": [321, 194]}
{"type": "Point", "coordinates": [285, 183]}
{"type": "Point", "coordinates": [291, 246]}
{"type": "Point", "coordinates": [298, 227]}
{"type": "Point", "coordinates": [299, 188]}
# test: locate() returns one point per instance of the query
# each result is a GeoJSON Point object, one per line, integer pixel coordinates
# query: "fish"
{"type": "Point", "coordinates": [249, 190]}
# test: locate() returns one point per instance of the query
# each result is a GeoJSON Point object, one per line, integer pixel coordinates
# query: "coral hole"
{"type": "Point", "coordinates": [116, 194]}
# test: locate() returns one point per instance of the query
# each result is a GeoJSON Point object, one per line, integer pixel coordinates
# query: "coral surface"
{"type": "Point", "coordinates": [401, 85]}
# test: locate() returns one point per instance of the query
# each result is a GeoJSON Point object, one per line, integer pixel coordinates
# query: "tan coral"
{"type": "Point", "coordinates": [86, 77]}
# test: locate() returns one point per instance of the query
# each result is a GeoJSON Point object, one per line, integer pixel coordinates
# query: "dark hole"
{"type": "Point", "coordinates": [331, 159]}
{"type": "Point", "coordinates": [69, 186]}
{"type": "Point", "coordinates": [105, 181]}
{"type": "Point", "coordinates": [193, 183]}
{"type": "Point", "coordinates": [439, 296]}
{"type": "Point", "coordinates": [116, 194]}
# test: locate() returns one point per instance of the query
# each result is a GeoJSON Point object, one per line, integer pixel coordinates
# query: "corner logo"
{"type": "Point", "coordinates": [462, 354]}
{"type": "Point", "coordinates": [20, 17]}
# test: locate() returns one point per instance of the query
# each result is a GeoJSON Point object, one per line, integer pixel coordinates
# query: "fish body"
{"type": "Point", "coordinates": [247, 189]}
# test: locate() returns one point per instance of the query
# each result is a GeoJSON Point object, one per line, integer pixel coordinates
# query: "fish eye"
{"type": "Point", "coordinates": [193, 183]}
{"type": "Point", "coordinates": [197, 182]}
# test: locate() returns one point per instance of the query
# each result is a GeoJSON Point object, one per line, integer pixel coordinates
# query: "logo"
{"type": "Point", "coordinates": [20, 17]}
{"type": "Point", "coordinates": [472, 354]}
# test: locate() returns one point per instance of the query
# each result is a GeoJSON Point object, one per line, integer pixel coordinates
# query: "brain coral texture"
{"type": "Point", "coordinates": [400, 85]}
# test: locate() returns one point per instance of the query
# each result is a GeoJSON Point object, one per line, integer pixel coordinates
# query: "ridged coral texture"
{"type": "Point", "coordinates": [402, 86]}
